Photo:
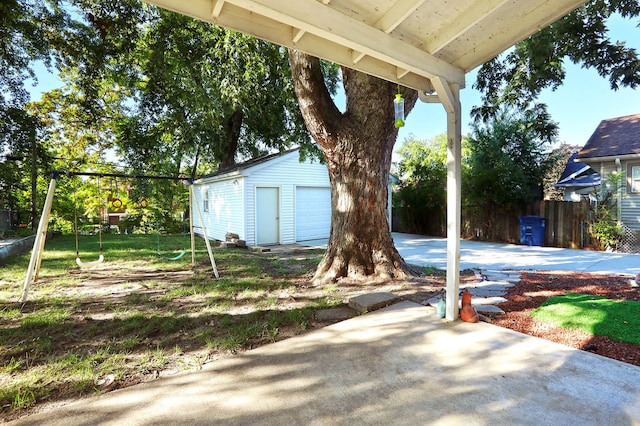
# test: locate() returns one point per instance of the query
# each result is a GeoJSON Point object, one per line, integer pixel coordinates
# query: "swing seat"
{"type": "Point", "coordinates": [178, 256]}
{"type": "Point", "coordinates": [94, 262]}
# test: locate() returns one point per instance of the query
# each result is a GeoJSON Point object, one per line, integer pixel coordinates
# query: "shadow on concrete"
{"type": "Point", "coordinates": [400, 365]}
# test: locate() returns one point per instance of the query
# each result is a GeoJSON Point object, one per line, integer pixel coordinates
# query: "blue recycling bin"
{"type": "Point", "coordinates": [532, 230]}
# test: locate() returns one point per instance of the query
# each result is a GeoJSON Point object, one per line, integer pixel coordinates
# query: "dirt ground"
{"type": "Point", "coordinates": [532, 290]}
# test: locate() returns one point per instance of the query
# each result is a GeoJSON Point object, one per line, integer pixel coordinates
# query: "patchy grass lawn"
{"type": "Point", "coordinates": [137, 316]}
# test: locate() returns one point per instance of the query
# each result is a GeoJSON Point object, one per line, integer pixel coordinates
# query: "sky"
{"type": "Point", "coordinates": [577, 106]}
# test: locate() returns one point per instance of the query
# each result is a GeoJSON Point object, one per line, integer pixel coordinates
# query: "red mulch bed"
{"type": "Point", "coordinates": [535, 288]}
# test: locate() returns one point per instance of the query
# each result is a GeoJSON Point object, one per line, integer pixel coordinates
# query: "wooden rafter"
{"type": "Point", "coordinates": [396, 14]}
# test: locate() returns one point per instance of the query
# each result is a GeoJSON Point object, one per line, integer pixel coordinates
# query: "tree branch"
{"type": "Point", "coordinates": [322, 117]}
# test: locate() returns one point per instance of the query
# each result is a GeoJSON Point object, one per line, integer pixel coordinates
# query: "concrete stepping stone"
{"type": "Point", "coordinates": [491, 284]}
{"type": "Point", "coordinates": [494, 300]}
{"type": "Point", "coordinates": [372, 301]}
{"type": "Point", "coordinates": [335, 314]}
{"type": "Point", "coordinates": [484, 292]}
{"type": "Point", "coordinates": [487, 291]}
{"type": "Point", "coordinates": [489, 310]}
{"type": "Point", "coordinates": [511, 277]}
{"type": "Point", "coordinates": [433, 301]}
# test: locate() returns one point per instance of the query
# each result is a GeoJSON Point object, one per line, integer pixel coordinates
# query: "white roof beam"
{"type": "Point", "coordinates": [401, 73]}
{"type": "Point", "coordinates": [475, 13]}
{"type": "Point", "coordinates": [297, 35]}
{"type": "Point", "coordinates": [365, 63]}
{"type": "Point", "coordinates": [397, 13]}
{"type": "Point", "coordinates": [357, 57]}
{"type": "Point", "coordinates": [327, 23]}
{"type": "Point", "coordinates": [528, 24]}
{"type": "Point", "coordinates": [217, 8]}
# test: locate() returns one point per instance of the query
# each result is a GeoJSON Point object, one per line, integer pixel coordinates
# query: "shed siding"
{"type": "Point", "coordinates": [226, 208]}
{"type": "Point", "coordinates": [284, 173]}
{"type": "Point", "coordinates": [232, 205]}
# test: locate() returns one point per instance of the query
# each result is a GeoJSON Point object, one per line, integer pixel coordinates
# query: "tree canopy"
{"type": "Point", "coordinates": [517, 76]}
{"type": "Point", "coordinates": [154, 90]}
{"type": "Point", "coordinates": [508, 159]}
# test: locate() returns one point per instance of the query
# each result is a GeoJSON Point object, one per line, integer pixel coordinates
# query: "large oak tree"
{"type": "Point", "coordinates": [358, 144]}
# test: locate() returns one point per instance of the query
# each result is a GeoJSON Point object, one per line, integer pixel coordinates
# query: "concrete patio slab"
{"type": "Point", "coordinates": [397, 366]}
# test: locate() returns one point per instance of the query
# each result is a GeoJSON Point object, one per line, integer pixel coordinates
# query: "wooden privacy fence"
{"type": "Point", "coordinates": [565, 224]}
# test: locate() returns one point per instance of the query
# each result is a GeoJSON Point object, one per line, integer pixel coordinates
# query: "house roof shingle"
{"type": "Point", "coordinates": [614, 137]}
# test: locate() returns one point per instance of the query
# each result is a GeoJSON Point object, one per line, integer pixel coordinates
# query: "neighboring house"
{"type": "Point", "coordinates": [274, 199]}
{"type": "Point", "coordinates": [615, 147]}
{"type": "Point", "coordinates": [578, 180]}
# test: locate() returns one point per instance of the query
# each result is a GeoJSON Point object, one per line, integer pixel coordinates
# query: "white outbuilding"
{"type": "Point", "coordinates": [270, 200]}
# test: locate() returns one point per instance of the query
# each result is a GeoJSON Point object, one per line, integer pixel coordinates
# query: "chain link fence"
{"type": "Point", "coordinates": [629, 241]}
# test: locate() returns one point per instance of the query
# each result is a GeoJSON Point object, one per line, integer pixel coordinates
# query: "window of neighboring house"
{"type": "Point", "coordinates": [205, 200]}
{"type": "Point", "coordinates": [633, 178]}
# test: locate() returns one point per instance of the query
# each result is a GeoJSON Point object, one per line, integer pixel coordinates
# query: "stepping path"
{"type": "Point", "coordinates": [488, 291]}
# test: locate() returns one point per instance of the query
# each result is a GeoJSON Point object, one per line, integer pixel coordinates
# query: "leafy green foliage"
{"type": "Point", "coordinates": [421, 196]}
{"type": "Point", "coordinates": [508, 160]}
{"type": "Point", "coordinates": [617, 319]}
{"type": "Point", "coordinates": [517, 76]}
{"type": "Point", "coordinates": [604, 226]}
{"type": "Point", "coordinates": [165, 93]}
{"type": "Point", "coordinates": [505, 163]}
{"type": "Point", "coordinates": [25, 28]}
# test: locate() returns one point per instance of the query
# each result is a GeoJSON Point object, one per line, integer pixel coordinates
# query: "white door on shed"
{"type": "Point", "coordinates": [267, 216]}
{"type": "Point", "coordinates": [313, 213]}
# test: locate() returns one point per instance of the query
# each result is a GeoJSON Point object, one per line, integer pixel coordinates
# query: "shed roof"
{"type": "Point", "coordinates": [239, 167]}
{"type": "Point", "coordinates": [614, 137]}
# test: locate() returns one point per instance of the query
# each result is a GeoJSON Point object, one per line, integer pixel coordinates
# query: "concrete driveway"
{"type": "Point", "coordinates": [432, 251]}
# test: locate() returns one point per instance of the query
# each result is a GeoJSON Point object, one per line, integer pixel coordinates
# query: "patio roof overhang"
{"type": "Point", "coordinates": [427, 45]}
{"type": "Point", "coordinates": [405, 41]}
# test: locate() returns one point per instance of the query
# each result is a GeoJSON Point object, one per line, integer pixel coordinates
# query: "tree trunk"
{"type": "Point", "coordinates": [358, 145]}
{"type": "Point", "coordinates": [232, 128]}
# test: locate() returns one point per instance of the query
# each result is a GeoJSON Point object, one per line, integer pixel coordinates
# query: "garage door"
{"type": "Point", "coordinates": [313, 213]}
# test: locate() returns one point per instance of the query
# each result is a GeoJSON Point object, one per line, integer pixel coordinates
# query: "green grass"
{"type": "Point", "coordinates": [617, 319]}
{"type": "Point", "coordinates": [138, 313]}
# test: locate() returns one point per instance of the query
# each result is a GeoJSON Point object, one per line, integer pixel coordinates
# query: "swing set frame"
{"type": "Point", "coordinates": [41, 234]}
{"type": "Point", "coordinates": [79, 262]}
